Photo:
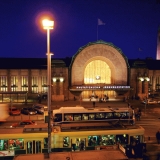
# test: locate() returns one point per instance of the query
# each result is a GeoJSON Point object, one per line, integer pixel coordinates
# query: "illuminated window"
{"type": "Point", "coordinates": [3, 83]}
{"type": "Point", "coordinates": [102, 140]}
{"type": "Point", "coordinates": [45, 142]}
{"type": "Point", "coordinates": [66, 141]}
{"type": "Point", "coordinates": [14, 83]}
{"type": "Point", "coordinates": [91, 116]}
{"type": "Point", "coordinates": [97, 71]}
{"type": "Point", "coordinates": [122, 139]}
{"type": "Point", "coordinates": [135, 139]}
{"type": "Point", "coordinates": [24, 83]}
{"type": "Point", "coordinates": [34, 84]}
{"type": "Point", "coordinates": [44, 84]}
{"type": "Point", "coordinates": [16, 144]}
{"type": "Point", "coordinates": [3, 145]}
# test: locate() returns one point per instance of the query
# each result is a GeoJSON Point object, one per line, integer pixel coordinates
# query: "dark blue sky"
{"type": "Point", "coordinates": [129, 25]}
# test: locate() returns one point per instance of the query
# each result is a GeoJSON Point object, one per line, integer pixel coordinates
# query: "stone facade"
{"type": "Point", "coordinates": [127, 77]}
{"type": "Point", "coordinates": [109, 54]}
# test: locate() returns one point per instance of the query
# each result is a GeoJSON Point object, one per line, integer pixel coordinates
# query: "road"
{"type": "Point", "coordinates": [150, 118]}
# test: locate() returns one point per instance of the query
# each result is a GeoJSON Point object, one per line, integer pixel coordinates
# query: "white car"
{"type": "Point", "coordinates": [152, 102]}
{"type": "Point", "coordinates": [149, 101]}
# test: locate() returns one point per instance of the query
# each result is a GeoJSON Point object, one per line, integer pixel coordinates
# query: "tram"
{"type": "Point", "coordinates": [33, 139]}
{"type": "Point", "coordinates": [81, 114]}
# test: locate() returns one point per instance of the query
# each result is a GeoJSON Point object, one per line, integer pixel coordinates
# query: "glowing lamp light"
{"type": "Point", "coordinates": [54, 79]}
{"type": "Point", "coordinates": [47, 24]}
{"type": "Point", "coordinates": [141, 79]}
{"type": "Point", "coordinates": [61, 79]}
{"type": "Point", "coordinates": [147, 79]}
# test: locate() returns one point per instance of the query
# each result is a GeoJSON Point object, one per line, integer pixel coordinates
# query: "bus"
{"type": "Point", "coordinates": [81, 114]}
{"type": "Point", "coordinates": [33, 139]}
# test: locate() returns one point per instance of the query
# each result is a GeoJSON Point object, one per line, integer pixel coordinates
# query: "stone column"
{"type": "Point", "coordinates": [19, 81]}
{"type": "Point", "coordinates": [8, 81]}
{"type": "Point", "coordinates": [145, 87]}
{"type": "Point", "coordinates": [29, 81]}
{"type": "Point", "coordinates": [139, 87]}
{"type": "Point", "coordinates": [61, 88]}
{"type": "Point", "coordinates": [54, 87]}
{"type": "Point", "coordinates": [39, 84]}
{"type": "Point", "coordinates": [154, 84]}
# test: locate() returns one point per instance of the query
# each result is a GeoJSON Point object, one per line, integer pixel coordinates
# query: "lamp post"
{"type": "Point", "coordinates": [47, 24]}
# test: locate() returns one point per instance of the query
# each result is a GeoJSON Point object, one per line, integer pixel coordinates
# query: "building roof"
{"type": "Point", "coordinates": [29, 63]}
{"type": "Point", "coordinates": [148, 63]}
{"type": "Point", "coordinates": [99, 42]}
{"type": "Point", "coordinates": [41, 63]}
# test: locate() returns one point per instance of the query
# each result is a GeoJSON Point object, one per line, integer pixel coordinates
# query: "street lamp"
{"type": "Point", "coordinates": [47, 24]}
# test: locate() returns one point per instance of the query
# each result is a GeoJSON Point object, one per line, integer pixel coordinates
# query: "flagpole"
{"type": "Point", "coordinates": [100, 22]}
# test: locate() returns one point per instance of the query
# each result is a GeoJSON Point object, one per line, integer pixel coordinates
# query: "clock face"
{"type": "Point", "coordinates": [98, 77]}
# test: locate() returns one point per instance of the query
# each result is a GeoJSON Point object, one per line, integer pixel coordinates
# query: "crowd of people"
{"type": "Point", "coordinates": [137, 112]}
{"type": "Point", "coordinates": [78, 144]}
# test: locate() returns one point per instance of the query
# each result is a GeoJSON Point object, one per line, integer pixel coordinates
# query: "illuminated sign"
{"type": "Point", "coordinates": [102, 87]}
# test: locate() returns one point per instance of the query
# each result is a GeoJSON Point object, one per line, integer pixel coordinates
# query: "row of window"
{"type": "Point", "coordinates": [92, 116]}
{"type": "Point", "coordinates": [102, 140]}
{"type": "Point", "coordinates": [11, 144]}
{"type": "Point", "coordinates": [24, 83]}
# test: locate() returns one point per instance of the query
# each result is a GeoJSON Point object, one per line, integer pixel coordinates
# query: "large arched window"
{"type": "Point", "coordinates": [97, 71]}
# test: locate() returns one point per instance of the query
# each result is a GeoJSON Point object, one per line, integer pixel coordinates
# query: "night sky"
{"type": "Point", "coordinates": [131, 25]}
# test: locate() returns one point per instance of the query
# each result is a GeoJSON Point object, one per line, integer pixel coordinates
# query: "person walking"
{"type": "Point", "coordinates": [81, 145]}
{"type": "Point", "coordinates": [74, 145]}
{"type": "Point", "coordinates": [158, 136]}
{"type": "Point", "coordinates": [94, 103]}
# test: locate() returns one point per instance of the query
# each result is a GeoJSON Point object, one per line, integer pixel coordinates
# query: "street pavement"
{"type": "Point", "coordinates": [149, 120]}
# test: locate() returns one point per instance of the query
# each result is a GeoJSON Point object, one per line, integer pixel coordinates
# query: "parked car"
{"type": "Point", "coordinates": [14, 111]}
{"type": "Point", "coordinates": [44, 96]}
{"type": "Point", "coordinates": [28, 111]}
{"type": "Point", "coordinates": [150, 101]}
{"type": "Point", "coordinates": [23, 123]}
{"type": "Point", "coordinates": [40, 108]}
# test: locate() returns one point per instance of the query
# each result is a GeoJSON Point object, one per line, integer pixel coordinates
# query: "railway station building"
{"type": "Point", "coordinates": [97, 70]}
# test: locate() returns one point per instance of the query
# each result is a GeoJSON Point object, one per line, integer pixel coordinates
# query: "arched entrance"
{"type": "Point", "coordinates": [97, 72]}
{"type": "Point", "coordinates": [98, 68]}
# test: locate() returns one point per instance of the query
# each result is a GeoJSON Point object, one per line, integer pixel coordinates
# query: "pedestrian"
{"type": "Point", "coordinates": [158, 136]}
{"type": "Point", "coordinates": [81, 145]}
{"type": "Point", "coordinates": [138, 114]}
{"type": "Point", "coordinates": [39, 98]}
{"type": "Point", "coordinates": [94, 103]}
{"type": "Point", "coordinates": [74, 145]}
